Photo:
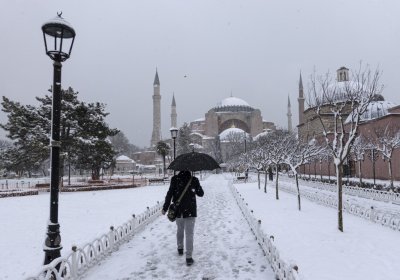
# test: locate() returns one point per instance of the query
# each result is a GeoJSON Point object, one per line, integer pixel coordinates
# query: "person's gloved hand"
{"type": "Point", "coordinates": [163, 212]}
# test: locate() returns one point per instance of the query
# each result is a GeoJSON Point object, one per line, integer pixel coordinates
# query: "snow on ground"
{"type": "Point", "coordinates": [224, 246]}
{"type": "Point", "coordinates": [83, 216]}
{"type": "Point", "coordinates": [378, 205]}
{"type": "Point", "coordinates": [310, 238]}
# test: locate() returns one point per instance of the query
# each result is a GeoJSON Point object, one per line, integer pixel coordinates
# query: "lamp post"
{"type": "Point", "coordinates": [58, 37]}
{"type": "Point", "coordinates": [174, 134]}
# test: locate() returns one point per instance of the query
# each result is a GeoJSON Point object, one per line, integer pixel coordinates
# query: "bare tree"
{"type": "Point", "coordinates": [278, 145]}
{"type": "Point", "coordinates": [387, 140]}
{"type": "Point", "coordinates": [234, 143]}
{"type": "Point", "coordinates": [298, 153]}
{"type": "Point", "coordinates": [357, 152]}
{"type": "Point", "coordinates": [332, 103]}
{"type": "Point", "coordinates": [261, 157]}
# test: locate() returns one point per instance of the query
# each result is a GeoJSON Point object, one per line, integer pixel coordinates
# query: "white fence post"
{"type": "Point", "coordinates": [74, 263]}
{"type": "Point", "coordinates": [111, 238]}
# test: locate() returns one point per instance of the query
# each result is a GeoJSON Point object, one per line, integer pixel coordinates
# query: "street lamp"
{"type": "Point", "coordinates": [58, 37]}
{"type": "Point", "coordinates": [174, 134]}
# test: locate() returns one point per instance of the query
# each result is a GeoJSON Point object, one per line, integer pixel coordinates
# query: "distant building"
{"type": "Point", "coordinates": [231, 116]}
{"type": "Point", "coordinates": [124, 165]}
{"type": "Point", "coordinates": [231, 112]}
{"type": "Point", "coordinates": [380, 114]}
{"type": "Point", "coordinates": [310, 126]}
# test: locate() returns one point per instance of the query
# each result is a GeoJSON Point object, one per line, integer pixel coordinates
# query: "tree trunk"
{"type": "Point", "coordinates": [265, 183]}
{"type": "Point", "coordinates": [96, 173]}
{"type": "Point", "coordinates": [315, 169]}
{"type": "Point", "coordinates": [163, 166]}
{"type": "Point", "coordinates": [298, 192]}
{"type": "Point", "coordinates": [390, 172]}
{"type": "Point", "coordinates": [359, 172]}
{"type": "Point", "coordinates": [276, 183]}
{"type": "Point", "coordinates": [258, 178]}
{"type": "Point", "coordinates": [320, 169]}
{"type": "Point", "coordinates": [339, 175]}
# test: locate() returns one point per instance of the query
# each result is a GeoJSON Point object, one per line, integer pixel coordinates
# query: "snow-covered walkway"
{"type": "Point", "coordinates": [224, 247]}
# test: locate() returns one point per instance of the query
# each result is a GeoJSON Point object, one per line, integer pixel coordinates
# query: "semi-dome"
{"type": "Point", "coordinates": [224, 135]}
{"type": "Point", "coordinates": [375, 109]}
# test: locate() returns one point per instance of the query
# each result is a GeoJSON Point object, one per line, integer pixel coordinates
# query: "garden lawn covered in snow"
{"type": "Point", "coordinates": [83, 216]}
{"type": "Point", "coordinates": [310, 238]}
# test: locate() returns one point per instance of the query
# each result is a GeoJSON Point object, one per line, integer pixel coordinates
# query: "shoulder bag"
{"type": "Point", "coordinates": [171, 215]}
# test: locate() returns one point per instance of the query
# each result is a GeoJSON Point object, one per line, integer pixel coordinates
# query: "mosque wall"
{"type": "Point", "coordinates": [211, 124]}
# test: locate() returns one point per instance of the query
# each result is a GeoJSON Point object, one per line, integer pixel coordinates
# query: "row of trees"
{"type": "Point", "coordinates": [382, 141]}
{"type": "Point", "coordinates": [339, 107]}
{"type": "Point", "coordinates": [276, 150]}
{"type": "Point", "coordinates": [84, 135]}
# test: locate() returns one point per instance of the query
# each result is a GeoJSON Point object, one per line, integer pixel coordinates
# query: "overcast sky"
{"type": "Point", "coordinates": [252, 49]}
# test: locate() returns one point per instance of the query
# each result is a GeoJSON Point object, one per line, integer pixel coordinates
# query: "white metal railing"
{"type": "Point", "coordinates": [386, 218]}
{"type": "Point", "coordinates": [283, 270]}
{"type": "Point", "coordinates": [379, 195]}
{"type": "Point", "coordinates": [76, 264]}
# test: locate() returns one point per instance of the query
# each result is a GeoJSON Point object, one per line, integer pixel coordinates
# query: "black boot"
{"type": "Point", "coordinates": [189, 261]}
{"type": "Point", "coordinates": [180, 252]}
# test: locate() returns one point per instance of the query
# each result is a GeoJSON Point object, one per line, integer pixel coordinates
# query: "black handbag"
{"type": "Point", "coordinates": [173, 208]}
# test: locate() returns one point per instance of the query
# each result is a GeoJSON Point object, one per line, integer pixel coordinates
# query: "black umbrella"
{"type": "Point", "coordinates": [194, 161]}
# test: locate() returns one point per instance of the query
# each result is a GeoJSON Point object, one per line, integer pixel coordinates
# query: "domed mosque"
{"type": "Point", "coordinates": [231, 115]}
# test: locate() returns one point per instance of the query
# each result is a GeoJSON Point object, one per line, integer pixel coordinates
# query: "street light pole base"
{"type": "Point", "coordinates": [52, 246]}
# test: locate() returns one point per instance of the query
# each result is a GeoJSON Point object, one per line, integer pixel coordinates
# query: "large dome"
{"type": "Point", "coordinates": [375, 109]}
{"type": "Point", "coordinates": [233, 104]}
{"type": "Point", "coordinates": [232, 101]}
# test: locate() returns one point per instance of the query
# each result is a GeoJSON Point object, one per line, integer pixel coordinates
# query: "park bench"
{"type": "Point", "coordinates": [157, 181]}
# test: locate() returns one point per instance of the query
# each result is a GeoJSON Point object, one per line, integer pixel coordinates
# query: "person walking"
{"type": "Point", "coordinates": [187, 210]}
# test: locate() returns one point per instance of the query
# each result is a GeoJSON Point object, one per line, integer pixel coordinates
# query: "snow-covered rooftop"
{"type": "Point", "coordinates": [376, 109]}
{"type": "Point", "coordinates": [233, 130]}
{"type": "Point", "coordinates": [232, 101]}
{"type": "Point", "coordinates": [197, 133]}
{"type": "Point", "coordinates": [262, 134]}
{"type": "Point", "coordinates": [124, 158]}
{"type": "Point", "coordinates": [199, 120]}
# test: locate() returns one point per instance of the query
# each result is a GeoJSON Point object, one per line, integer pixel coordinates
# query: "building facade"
{"type": "Point", "coordinates": [370, 163]}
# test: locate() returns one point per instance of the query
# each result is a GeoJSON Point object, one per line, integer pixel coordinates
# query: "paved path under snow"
{"type": "Point", "coordinates": [224, 247]}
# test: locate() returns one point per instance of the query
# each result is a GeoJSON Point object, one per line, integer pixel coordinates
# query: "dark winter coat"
{"type": "Point", "coordinates": [187, 207]}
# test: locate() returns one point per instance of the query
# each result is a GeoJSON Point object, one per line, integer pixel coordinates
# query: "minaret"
{"type": "Point", "coordinates": [173, 112]}
{"type": "Point", "coordinates": [301, 101]}
{"type": "Point", "coordinates": [156, 135]}
{"type": "Point", "coordinates": [289, 115]}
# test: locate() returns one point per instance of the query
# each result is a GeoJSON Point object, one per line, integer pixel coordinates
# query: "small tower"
{"type": "Point", "coordinates": [301, 101]}
{"type": "Point", "coordinates": [289, 115]}
{"type": "Point", "coordinates": [173, 112]}
{"type": "Point", "coordinates": [342, 74]}
{"type": "Point", "coordinates": [156, 135]}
